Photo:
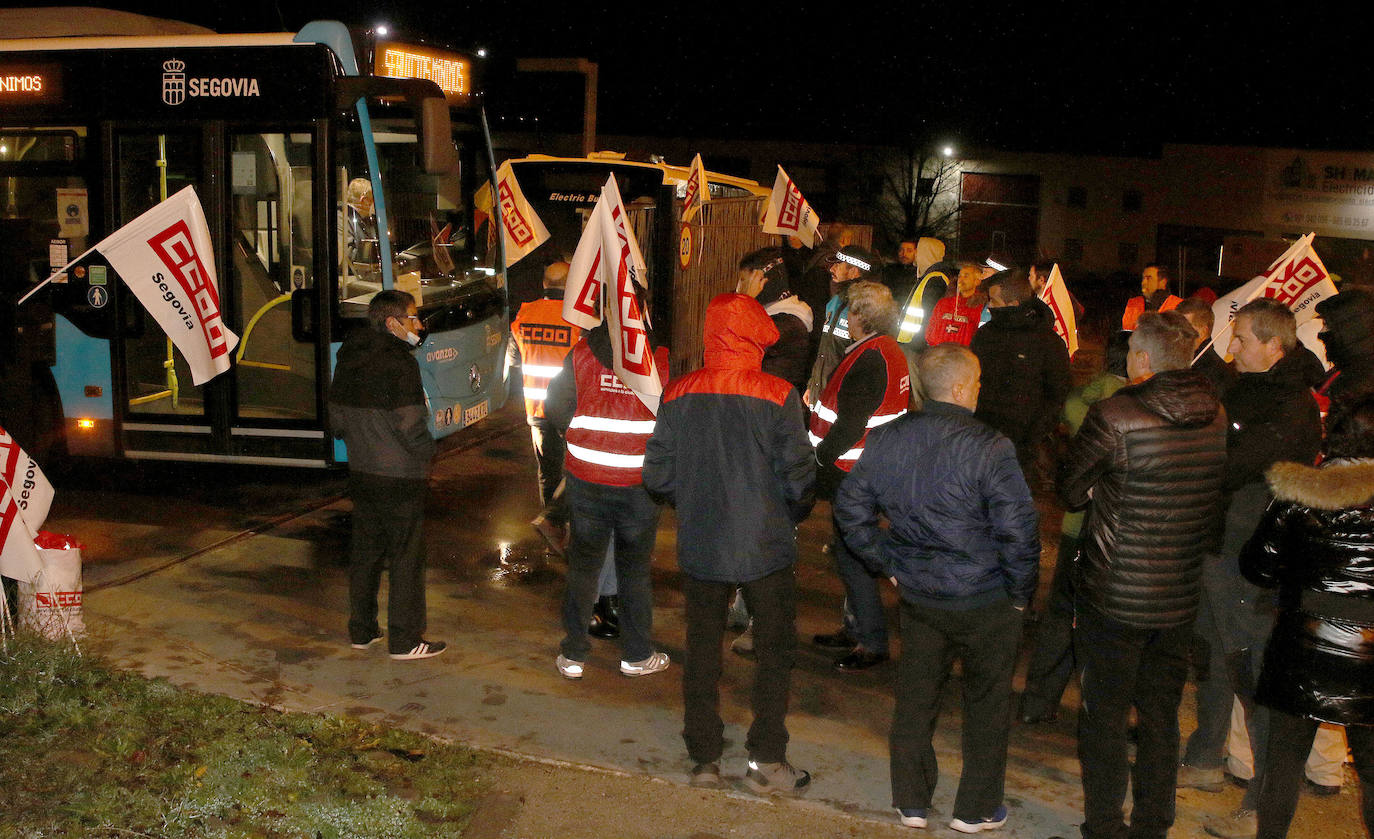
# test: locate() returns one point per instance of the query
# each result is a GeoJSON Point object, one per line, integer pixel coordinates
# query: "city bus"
{"type": "Point", "coordinates": [304, 148]}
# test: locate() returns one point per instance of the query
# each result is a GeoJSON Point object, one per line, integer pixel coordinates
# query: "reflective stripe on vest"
{"type": "Point", "coordinates": [896, 396]}
{"type": "Point", "coordinates": [544, 339]}
{"type": "Point", "coordinates": [609, 430]}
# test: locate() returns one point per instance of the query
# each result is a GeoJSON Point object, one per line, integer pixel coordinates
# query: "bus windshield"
{"type": "Point", "coordinates": [433, 251]}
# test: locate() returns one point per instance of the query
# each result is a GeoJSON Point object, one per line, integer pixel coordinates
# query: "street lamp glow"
{"type": "Point", "coordinates": [948, 151]}
{"type": "Point", "coordinates": [481, 53]}
{"type": "Point", "coordinates": [383, 29]}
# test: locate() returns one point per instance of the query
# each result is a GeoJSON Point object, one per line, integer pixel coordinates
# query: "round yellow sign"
{"type": "Point", "coordinates": [685, 241]}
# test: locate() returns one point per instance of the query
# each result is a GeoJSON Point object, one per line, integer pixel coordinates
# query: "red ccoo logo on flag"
{"type": "Point", "coordinates": [516, 226]}
{"type": "Point", "coordinates": [177, 250]}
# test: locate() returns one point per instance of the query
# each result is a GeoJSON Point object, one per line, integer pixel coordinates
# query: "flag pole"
{"type": "Point", "coordinates": [54, 276]}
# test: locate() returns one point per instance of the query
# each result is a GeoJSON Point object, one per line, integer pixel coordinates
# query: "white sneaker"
{"type": "Point", "coordinates": [652, 664]}
{"type": "Point", "coordinates": [424, 649]}
{"type": "Point", "coordinates": [567, 668]}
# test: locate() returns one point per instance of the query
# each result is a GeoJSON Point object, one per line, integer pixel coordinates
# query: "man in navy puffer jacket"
{"type": "Point", "coordinates": [963, 549]}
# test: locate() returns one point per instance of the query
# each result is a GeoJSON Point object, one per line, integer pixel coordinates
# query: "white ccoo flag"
{"type": "Point", "coordinates": [167, 260]}
{"type": "Point", "coordinates": [1298, 279]}
{"type": "Point", "coordinates": [788, 213]}
{"type": "Point", "coordinates": [30, 487]}
{"type": "Point", "coordinates": [605, 272]}
{"type": "Point", "coordinates": [19, 559]}
{"type": "Point", "coordinates": [1056, 296]}
{"type": "Point", "coordinates": [698, 191]}
{"type": "Point", "coordinates": [520, 224]}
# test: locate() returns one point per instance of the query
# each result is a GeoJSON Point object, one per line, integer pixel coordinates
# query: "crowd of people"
{"type": "Point", "coordinates": [1219, 523]}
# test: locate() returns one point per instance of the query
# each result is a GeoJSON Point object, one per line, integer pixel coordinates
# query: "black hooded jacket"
{"type": "Point", "coordinates": [1153, 457]}
{"type": "Point", "coordinates": [1025, 370]}
{"type": "Point", "coordinates": [377, 405]}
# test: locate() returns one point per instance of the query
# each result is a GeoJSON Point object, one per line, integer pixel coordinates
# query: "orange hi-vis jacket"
{"type": "Point", "coordinates": [1135, 307]}
{"type": "Point", "coordinates": [896, 396]}
{"type": "Point", "coordinates": [544, 339]}
{"type": "Point", "coordinates": [610, 427]}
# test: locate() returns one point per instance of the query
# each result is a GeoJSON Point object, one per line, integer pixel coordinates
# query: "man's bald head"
{"type": "Point", "coordinates": [556, 275]}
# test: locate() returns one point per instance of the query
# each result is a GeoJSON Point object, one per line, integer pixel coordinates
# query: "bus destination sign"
{"type": "Point", "coordinates": [30, 84]}
{"type": "Point", "coordinates": [451, 71]}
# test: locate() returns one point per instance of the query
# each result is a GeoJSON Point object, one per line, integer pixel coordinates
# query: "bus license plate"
{"type": "Point", "coordinates": [476, 412]}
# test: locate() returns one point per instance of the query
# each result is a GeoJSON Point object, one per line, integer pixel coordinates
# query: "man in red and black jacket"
{"type": "Point", "coordinates": [871, 386]}
{"type": "Point", "coordinates": [606, 426]}
{"type": "Point", "coordinates": [729, 451]}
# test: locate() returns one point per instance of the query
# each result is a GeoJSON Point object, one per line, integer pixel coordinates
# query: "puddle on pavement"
{"type": "Point", "coordinates": [517, 563]}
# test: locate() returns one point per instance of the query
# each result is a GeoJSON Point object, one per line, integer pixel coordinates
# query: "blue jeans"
{"type": "Point", "coordinates": [601, 514]}
{"type": "Point", "coordinates": [864, 618]}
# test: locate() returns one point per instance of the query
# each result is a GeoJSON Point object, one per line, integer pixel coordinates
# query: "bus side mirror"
{"type": "Point", "coordinates": [439, 155]}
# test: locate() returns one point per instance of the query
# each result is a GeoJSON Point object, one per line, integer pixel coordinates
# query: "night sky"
{"type": "Point", "coordinates": [1026, 76]}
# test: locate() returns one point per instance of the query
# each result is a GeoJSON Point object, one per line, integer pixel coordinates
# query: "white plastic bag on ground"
{"type": "Point", "coordinates": [50, 604]}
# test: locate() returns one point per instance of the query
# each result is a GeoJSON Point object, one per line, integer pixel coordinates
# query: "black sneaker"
{"type": "Point", "coordinates": [424, 649]}
{"type": "Point", "coordinates": [362, 645]}
{"type": "Point", "coordinates": [834, 640]}
{"type": "Point", "coordinates": [706, 776]}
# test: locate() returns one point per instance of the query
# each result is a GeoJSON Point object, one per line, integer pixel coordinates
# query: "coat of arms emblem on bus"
{"type": "Point", "coordinates": [174, 81]}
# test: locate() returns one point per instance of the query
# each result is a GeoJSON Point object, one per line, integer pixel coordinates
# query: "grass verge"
{"type": "Point", "coordinates": [86, 750]}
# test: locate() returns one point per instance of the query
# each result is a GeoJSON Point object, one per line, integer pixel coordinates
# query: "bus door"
{"type": "Point", "coordinates": [258, 192]}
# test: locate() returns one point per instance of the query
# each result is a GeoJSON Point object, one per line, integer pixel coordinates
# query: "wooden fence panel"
{"type": "Point", "coordinates": [724, 230]}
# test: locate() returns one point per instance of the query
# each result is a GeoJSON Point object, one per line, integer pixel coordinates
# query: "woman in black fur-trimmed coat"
{"type": "Point", "coordinates": [1316, 544]}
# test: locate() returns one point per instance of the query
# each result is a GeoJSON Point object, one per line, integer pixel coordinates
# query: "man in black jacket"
{"type": "Point", "coordinates": [1272, 417]}
{"type": "Point", "coordinates": [377, 405]}
{"type": "Point", "coordinates": [963, 549]}
{"type": "Point", "coordinates": [763, 276]}
{"type": "Point", "coordinates": [1151, 459]}
{"type": "Point", "coordinates": [1025, 366]}
{"type": "Point", "coordinates": [730, 452]}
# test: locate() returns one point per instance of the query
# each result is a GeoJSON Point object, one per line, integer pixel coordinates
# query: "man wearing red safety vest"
{"type": "Point", "coordinates": [956, 316]}
{"type": "Point", "coordinates": [607, 427]}
{"type": "Point", "coordinates": [541, 340]}
{"type": "Point", "coordinates": [1154, 296]}
{"type": "Point", "coordinates": [872, 386]}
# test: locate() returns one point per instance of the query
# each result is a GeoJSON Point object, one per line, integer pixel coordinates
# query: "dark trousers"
{"type": "Point", "coordinates": [549, 448]}
{"type": "Point", "coordinates": [985, 639]}
{"type": "Point", "coordinates": [864, 618]}
{"type": "Point", "coordinates": [1052, 663]}
{"type": "Point", "coordinates": [772, 601]}
{"type": "Point", "coordinates": [1206, 747]}
{"type": "Point", "coordinates": [1290, 740]}
{"type": "Point", "coordinates": [1125, 667]}
{"type": "Point", "coordinates": [388, 533]}
{"type": "Point", "coordinates": [1236, 651]}
{"type": "Point", "coordinates": [601, 513]}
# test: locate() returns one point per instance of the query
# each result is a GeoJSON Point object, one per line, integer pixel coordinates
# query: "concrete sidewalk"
{"type": "Point", "coordinates": [262, 619]}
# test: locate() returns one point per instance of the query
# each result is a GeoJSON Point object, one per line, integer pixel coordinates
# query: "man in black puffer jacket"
{"type": "Point", "coordinates": [964, 551]}
{"type": "Point", "coordinates": [1151, 459]}
{"type": "Point", "coordinates": [377, 405]}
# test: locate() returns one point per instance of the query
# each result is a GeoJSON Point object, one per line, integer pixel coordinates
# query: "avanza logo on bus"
{"type": "Point", "coordinates": [176, 87]}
